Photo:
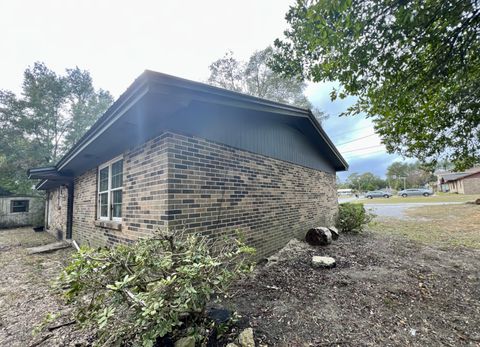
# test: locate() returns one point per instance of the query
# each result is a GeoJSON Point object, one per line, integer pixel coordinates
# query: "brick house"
{"type": "Point", "coordinates": [462, 182]}
{"type": "Point", "coordinates": [172, 153]}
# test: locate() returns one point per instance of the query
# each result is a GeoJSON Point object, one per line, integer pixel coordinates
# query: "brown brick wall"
{"type": "Point", "coordinates": [57, 203]}
{"type": "Point", "coordinates": [144, 197]}
{"type": "Point", "coordinates": [216, 189]}
{"type": "Point", "coordinates": [183, 182]}
{"type": "Point", "coordinates": [472, 184]}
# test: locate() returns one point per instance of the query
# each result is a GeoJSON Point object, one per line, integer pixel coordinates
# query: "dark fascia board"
{"type": "Point", "coordinates": [327, 140]}
{"type": "Point", "coordinates": [31, 173]}
{"type": "Point", "coordinates": [145, 82]}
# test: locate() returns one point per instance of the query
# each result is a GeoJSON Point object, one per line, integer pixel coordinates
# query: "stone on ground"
{"type": "Point", "coordinates": [188, 341]}
{"type": "Point", "coordinates": [319, 236]}
{"type": "Point", "coordinates": [245, 339]}
{"type": "Point", "coordinates": [335, 233]}
{"type": "Point", "coordinates": [323, 262]}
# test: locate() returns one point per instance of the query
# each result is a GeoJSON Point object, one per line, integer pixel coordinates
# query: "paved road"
{"type": "Point", "coordinates": [394, 210]}
{"type": "Point", "coordinates": [398, 210]}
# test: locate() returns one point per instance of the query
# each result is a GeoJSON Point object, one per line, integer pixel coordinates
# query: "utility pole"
{"type": "Point", "coordinates": [404, 182]}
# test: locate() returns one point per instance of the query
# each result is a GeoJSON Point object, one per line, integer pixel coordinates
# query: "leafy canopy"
{"type": "Point", "coordinates": [408, 175]}
{"type": "Point", "coordinates": [38, 126]}
{"type": "Point", "coordinates": [364, 182]}
{"type": "Point", "coordinates": [256, 78]}
{"type": "Point", "coordinates": [413, 64]}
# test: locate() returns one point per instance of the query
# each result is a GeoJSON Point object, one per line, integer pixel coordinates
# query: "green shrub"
{"type": "Point", "coordinates": [352, 217]}
{"type": "Point", "coordinates": [133, 294]}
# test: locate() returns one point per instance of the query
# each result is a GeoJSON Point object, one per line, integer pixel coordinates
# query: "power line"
{"type": "Point", "coordinates": [351, 131]}
{"type": "Point", "coordinates": [363, 137]}
{"type": "Point", "coordinates": [361, 149]}
{"type": "Point", "coordinates": [353, 155]}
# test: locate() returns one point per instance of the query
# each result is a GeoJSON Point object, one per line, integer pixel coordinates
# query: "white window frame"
{"type": "Point", "coordinates": [109, 191]}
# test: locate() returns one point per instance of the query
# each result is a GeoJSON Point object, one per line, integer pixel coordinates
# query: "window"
{"type": "Point", "coordinates": [110, 184]}
{"type": "Point", "coordinates": [18, 206]}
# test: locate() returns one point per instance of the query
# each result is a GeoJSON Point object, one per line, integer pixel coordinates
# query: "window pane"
{"type": "Point", "coordinates": [19, 206]}
{"type": "Point", "coordinates": [117, 203]}
{"type": "Point", "coordinates": [104, 179]}
{"type": "Point", "coordinates": [104, 205]}
{"type": "Point", "coordinates": [117, 174]}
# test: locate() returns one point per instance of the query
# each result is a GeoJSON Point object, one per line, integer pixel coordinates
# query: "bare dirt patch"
{"type": "Point", "coordinates": [25, 291]}
{"type": "Point", "coordinates": [384, 291]}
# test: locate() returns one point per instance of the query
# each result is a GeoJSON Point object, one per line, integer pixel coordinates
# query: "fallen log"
{"type": "Point", "coordinates": [319, 236]}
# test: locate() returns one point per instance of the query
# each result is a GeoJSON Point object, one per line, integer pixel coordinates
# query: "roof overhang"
{"type": "Point", "coordinates": [50, 177]}
{"type": "Point", "coordinates": [136, 117]}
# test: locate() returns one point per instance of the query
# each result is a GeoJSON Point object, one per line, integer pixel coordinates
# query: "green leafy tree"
{"type": "Point", "coordinates": [84, 102]}
{"type": "Point", "coordinates": [414, 66]}
{"type": "Point", "coordinates": [408, 175]}
{"type": "Point", "coordinates": [364, 182]}
{"type": "Point", "coordinates": [37, 127]}
{"type": "Point", "coordinates": [342, 185]}
{"type": "Point", "coordinates": [256, 78]}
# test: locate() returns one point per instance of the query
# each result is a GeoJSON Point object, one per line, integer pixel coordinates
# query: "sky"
{"type": "Point", "coordinates": [117, 40]}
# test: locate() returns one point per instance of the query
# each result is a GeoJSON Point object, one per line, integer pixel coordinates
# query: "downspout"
{"type": "Point", "coordinates": [69, 210]}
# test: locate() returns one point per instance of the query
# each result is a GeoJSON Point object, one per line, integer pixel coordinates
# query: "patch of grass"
{"type": "Point", "coordinates": [441, 225]}
{"type": "Point", "coordinates": [416, 199]}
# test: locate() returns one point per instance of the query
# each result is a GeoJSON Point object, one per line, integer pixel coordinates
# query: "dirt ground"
{"type": "Point", "coordinates": [26, 296]}
{"type": "Point", "coordinates": [385, 291]}
{"type": "Point", "coordinates": [388, 289]}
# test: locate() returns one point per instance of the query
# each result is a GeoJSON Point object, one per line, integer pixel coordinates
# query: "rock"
{"type": "Point", "coordinates": [320, 236]}
{"type": "Point", "coordinates": [231, 344]}
{"type": "Point", "coordinates": [219, 315]}
{"type": "Point", "coordinates": [323, 262]}
{"type": "Point", "coordinates": [335, 233]}
{"type": "Point", "coordinates": [477, 202]}
{"type": "Point", "coordinates": [273, 259]}
{"type": "Point", "coordinates": [188, 341]}
{"type": "Point", "coordinates": [245, 339]}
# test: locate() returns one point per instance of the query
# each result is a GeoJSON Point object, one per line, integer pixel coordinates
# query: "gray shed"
{"type": "Point", "coordinates": [20, 210]}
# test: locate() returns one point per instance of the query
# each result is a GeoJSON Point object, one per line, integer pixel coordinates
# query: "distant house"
{"type": "Point", "coordinates": [20, 210]}
{"type": "Point", "coordinates": [172, 153]}
{"type": "Point", "coordinates": [461, 182]}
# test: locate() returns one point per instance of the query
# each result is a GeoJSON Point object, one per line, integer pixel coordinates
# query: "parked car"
{"type": "Point", "coordinates": [415, 192]}
{"type": "Point", "coordinates": [377, 194]}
